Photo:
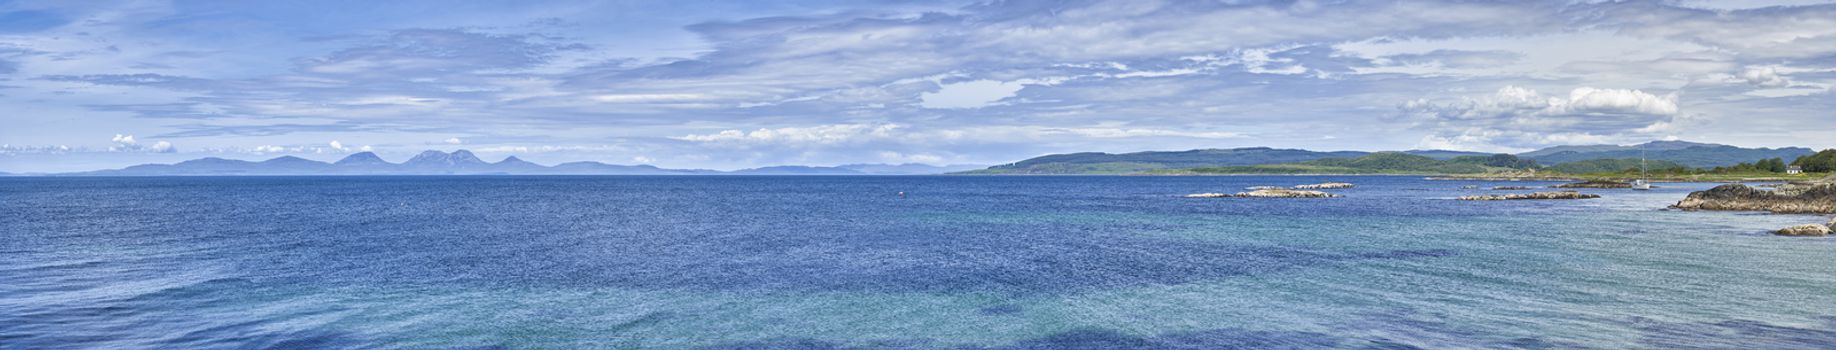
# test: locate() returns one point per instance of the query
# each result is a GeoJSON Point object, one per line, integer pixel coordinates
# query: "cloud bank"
{"type": "Point", "coordinates": [761, 83]}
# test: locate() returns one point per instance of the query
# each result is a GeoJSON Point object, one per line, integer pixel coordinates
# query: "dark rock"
{"type": "Point", "coordinates": [1800, 199]}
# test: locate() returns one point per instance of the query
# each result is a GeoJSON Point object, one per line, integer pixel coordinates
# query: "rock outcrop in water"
{"type": "Point", "coordinates": [1512, 188]}
{"type": "Point", "coordinates": [1259, 188]}
{"type": "Point", "coordinates": [1814, 198]}
{"type": "Point", "coordinates": [1325, 186]}
{"type": "Point", "coordinates": [1805, 230]}
{"type": "Point", "coordinates": [1275, 193]}
{"type": "Point", "coordinates": [1537, 195]}
{"type": "Point", "coordinates": [1286, 194]}
{"type": "Point", "coordinates": [1595, 184]}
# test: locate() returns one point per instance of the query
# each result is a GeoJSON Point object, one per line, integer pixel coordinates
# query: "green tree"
{"type": "Point", "coordinates": [1820, 162]}
{"type": "Point", "coordinates": [1774, 165]}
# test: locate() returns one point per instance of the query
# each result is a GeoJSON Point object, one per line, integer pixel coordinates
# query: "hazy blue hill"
{"type": "Point", "coordinates": [1126, 163]}
{"type": "Point", "coordinates": [908, 168]}
{"type": "Point", "coordinates": [363, 163]}
{"type": "Point", "coordinates": [1610, 166]}
{"type": "Point", "coordinates": [436, 162]}
{"type": "Point", "coordinates": [514, 165]}
{"type": "Point", "coordinates": [1691, 154]}
{"type": "Point", "coordinates": [362, 159]}
{"type": "Point", "coordinates": [462, 162]}
{"type": "Point", "coordinates": [795, 170]}
{"type": "Point", "coordinates": [597, 168]}
{"type": "Point", "coordinates": [202, 166]}
{"type": "Point", "coordinates": [289, 165]}
{"type": "Point", "coordinates": [1374, 163]}
{"type": "Point", "coordinates": [1648, 146]}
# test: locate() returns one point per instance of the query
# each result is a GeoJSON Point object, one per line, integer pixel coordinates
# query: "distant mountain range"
{"type": "Point", "coordinates": [1374, 163]}
{"type": "Point", "coordinates": [1138, 162]}
{"type": "Point", "coordinates": [1243, 160]}
{"type": "Point", "coordinates": [463, 162]}
{"type": "Point", "coordinates": [1129, 163]}
{"type": "Point", "coordinates": [1690, 154]}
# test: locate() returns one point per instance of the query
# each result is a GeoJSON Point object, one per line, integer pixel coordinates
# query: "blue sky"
{"type": "Point", "coordinates": [734, 84]}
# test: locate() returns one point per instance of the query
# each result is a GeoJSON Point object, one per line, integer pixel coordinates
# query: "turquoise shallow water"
{"type": "Point", "coordinates": [842, 262]}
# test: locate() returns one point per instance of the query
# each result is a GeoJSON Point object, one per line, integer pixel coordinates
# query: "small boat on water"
{"type": "Point", "coordinates": [1641, 184]}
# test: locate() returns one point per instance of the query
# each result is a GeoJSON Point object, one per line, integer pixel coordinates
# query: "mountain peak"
{"type": "Point", "coordinates": [437, 159]}
{"type": "Point", "coordinates": [286, 159]}
{"type": "Point", "coordinates": [465, 157]}
{"type": "Point", "coordinates": [361, 158]}
{"type": "Point", "coordinates": [1675, 145]}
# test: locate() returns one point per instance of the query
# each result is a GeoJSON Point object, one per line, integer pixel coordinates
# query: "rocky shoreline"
{"type": "Point", "coordinates": [1529, 196]}
{"type": "Point", "coordinates": [1819, 198]}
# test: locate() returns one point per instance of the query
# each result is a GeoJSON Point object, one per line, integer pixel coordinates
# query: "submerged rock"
{"type": "Point", "coordinates": [1207, 195]}
{"type": "Point", "coordinates": [1468, 187]}
{"type": "Point", "coordinates": [1286, 194]}
{"type": "Point", "coordinates": [1536, 195]}
{"type": "Point", "coordinates": [1798, 199]}
{"type": "Point", "coordinates": [1805, 230]}
{"type": "Point", "coordinates": [1325, 186]}
{"type": "Point", "coordinates": [1595, 184]}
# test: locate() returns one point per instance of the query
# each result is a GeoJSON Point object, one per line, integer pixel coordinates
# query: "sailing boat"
{"type": "Point", "coordinates": [1643, 183]}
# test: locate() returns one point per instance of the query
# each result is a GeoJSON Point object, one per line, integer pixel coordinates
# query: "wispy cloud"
{"type": "Point", "coordinates": [759, 83]}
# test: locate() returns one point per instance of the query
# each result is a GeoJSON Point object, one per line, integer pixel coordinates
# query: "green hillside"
{"type": "Point", "coordinates": [1611, 166]}
{"type": "Point", "coordinates": [1375, 163]}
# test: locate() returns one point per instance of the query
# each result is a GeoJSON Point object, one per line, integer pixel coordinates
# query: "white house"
{"type": "Point", "coordinates": [1794, 170]}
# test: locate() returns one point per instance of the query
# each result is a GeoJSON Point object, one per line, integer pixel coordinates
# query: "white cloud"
{"type": "Point", "coordinates": [1518, 102]}
{"type": "Point", "coordinates": [454, 141]}
{"type": "Point", "coordinates": [127, 143]}
{"type": "Point", "coordinates": [1515, 118]}
{"type": "Point", "coordinates": [1764, 77]}
{"type": "Point", "coordinates": [822, 134]}
{"type": "Point", "coordinates": [1593, 100]}
{"type": "Point", "coordinates": [970, 94]}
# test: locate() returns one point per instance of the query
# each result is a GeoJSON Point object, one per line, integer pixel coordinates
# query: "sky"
{"type": "Point", "coordinates": [88, 85]}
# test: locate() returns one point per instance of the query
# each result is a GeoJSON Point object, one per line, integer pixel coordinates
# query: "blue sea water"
{"type": "Point", "coordinates": [845, 262]}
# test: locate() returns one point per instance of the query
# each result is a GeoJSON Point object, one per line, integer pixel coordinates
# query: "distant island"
{"type": "Point", "coordinates": [1671, 156]}
{"type": "Point", "coordinates": [1664, 160]}
{"type": "Point", "coordinates": [463, 162]}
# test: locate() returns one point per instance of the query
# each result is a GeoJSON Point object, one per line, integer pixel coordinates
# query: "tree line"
{"type": "Point", "coordinates": [1820, 162]}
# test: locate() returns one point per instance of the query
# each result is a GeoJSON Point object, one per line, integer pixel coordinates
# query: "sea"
{"type": "Point", "coordinates": [890, 262]}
